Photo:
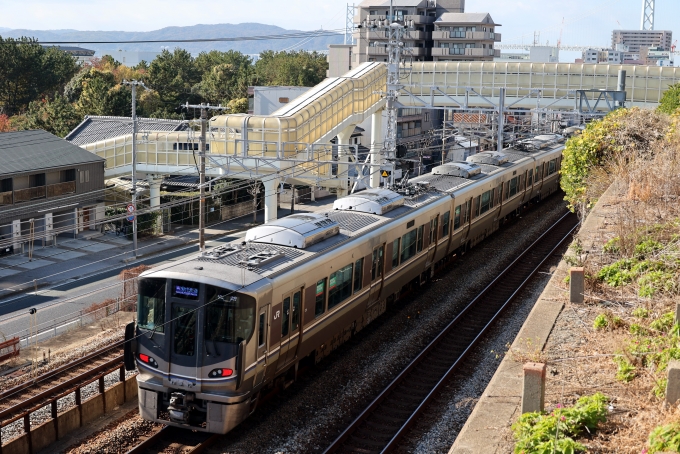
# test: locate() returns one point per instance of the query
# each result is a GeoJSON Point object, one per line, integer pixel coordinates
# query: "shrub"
{"type": "Point", "coordinates": [663, 323]}
{"type": "Point", "coordinates": [552, 433]}
{"type": "Point", "coordinates": [665, 438]}
{"type": "Point", "coordinates": [612, 246]}
{"type": "Point", "coordinates": [600, 322]}
{"type": "Point", "coordinates": [625, 371]}
{"type": "Point", "coordinates": [641, 312]}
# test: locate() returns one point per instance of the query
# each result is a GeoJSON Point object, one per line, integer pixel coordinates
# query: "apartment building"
{"type": "Point", "coordinates": [608, 56]}
{"type": "Point", "coordinates": [465, 37]}
{"type": "Point", "coordinates": [441, 24]}
{"type": "Point", "coordinates": [636, 40]}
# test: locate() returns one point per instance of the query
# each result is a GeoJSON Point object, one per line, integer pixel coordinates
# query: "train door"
{"type": "Point", "coordinates": [377, 269]}
{"type": "Point", "coordinates": [184, 349]}
{"type": "Point", "coordinates": [285, 329]}
{"type": "Point", "coordinates": [434, 237]}
{"type": "Point", "coordinates": [295, 334]}
{"type": "Point", "coordinates": [262, 331]}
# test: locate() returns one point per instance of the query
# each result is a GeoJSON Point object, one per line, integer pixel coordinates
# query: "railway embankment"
{"type": "Point", "coordinates": [607, 358]}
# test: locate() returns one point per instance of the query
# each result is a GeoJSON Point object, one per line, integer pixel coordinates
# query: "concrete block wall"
{"type": "Point", "coordinates": [91, 409]}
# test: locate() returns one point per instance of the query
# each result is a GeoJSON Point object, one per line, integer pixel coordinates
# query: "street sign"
{"type": "Point", "coordinates": [131, 210]}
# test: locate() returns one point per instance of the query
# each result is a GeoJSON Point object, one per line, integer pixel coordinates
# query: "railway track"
{"type": "Point", "coordinates": [20, 401]}
{"type": "Point", "coordinates": [381, 425]}
{"type": "Point", "coordinates": [172, 439]}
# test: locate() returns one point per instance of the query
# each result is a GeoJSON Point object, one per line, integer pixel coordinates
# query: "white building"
{"type": "Point", "coordinates": [132, 58]}
{"type": "Point", "coordinates": [266, 100]}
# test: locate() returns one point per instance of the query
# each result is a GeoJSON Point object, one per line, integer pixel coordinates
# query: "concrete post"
{"type": "Point", "coordinates": [16, 235]}
{"type": "Point", "coordinates": [576, 284]}
{"type": "Point", "coordinates": [677, 313]}
{"type": "Point", "coordinates": [155, 198]}
{"type": "Point", "coordinates": [49, 227]}
{"type": "Point", "coordinates": [344, 138]}
{"type": "Point", "coordinates": [271, 189]}
{"type": "Point", "coordinates": [533, 394]}
{"type": "Point", "coordinates": [377, 140]}
{"type": "Point", "coordinates": [154, 191]}
{"type": "Point", "coordinates": [673, 385]}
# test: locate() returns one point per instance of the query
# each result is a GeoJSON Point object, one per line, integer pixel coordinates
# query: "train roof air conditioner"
{"type": "Point", "coordinates": [457, 169]}
{"type": "Point", "coordinates": [297, 230]}
{"type": "Point", "coordinates": [494, 158]}
{"type": "Point", "coordinates": [373, 201]}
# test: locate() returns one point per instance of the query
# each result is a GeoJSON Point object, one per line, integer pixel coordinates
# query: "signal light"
{"type": "Point", "coordinates": [144, 357]}
{"type": "Point", "coordinates": [221, 373]}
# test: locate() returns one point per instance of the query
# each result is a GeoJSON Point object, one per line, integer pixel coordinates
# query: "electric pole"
{"type": "Point", "coordinates": [202, 149]}
{"type": "Point", "coordinates": [133, 85]}
{"type": "Point", "coordinates": [395, 46]}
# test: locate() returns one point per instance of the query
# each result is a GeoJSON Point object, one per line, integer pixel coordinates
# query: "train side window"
{"type": "Point", "coordinates": [475, 206]}
{"type": "Point", "coordinates": [446, 220]}
{"type": "Point", "coordinates": [538, 173]}
{"type": "Point", "coordinates": [408, 245]}
{"type": "Point", "coordinates": [295, 312]}
{"type": "Point", "coordinates": [419, 242]}
{"type": "Point", "coordinates": [320, 306]}
{"type": "Point", "coordinates": [340, 286]}
{"type": "Point", "coordinates": [506, 191]}
{"type": "Point", "coordinates": [358, 274]}
{"type": "Point", "coordinates": [467, 209]}
{"type": "Point", "coordinates": [260, 336]}
{"type": "Point", "coordinates": [530, 177]}
{"type": "Point", "coordinates": [493, 198]}
{"type": "Point", "coordinates": [456, 218]}
{"type": "Point", "coordinates": [551, 167]}
{"type": "Point", "coordinates": [513, 187]}
{"type": "Point", "coordinates": [485, 204]}
{"type": "Point", "coordinates": [286, 316]}
{"type": "Point", "coordinates": [434, 226]}
{"type": "Point", "coordinates": [395, 253]}
{"type": "Point", "coordinates": [378, 263]}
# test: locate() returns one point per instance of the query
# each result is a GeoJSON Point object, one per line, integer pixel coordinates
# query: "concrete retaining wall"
{"type": "Point", "coordinates": [46, 434]}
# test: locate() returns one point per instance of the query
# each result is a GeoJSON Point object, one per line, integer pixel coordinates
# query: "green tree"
{"type": "Point", "coordinates": [29, 72]}
{"type": "Point", "coordinates": [57, 116]}
{"type": "Point", "coordinates": [239, 105]}
{"type": "Point", "coordinates": [304, 69]}
{"type": "Point", "coordinates": [670, 100]}
{"type": "Point", "coordinates": [173, 75]}
{"type": "Point", "coordinates": [222, 83]}
{"type": "Point", "coordinates": [94, 96]}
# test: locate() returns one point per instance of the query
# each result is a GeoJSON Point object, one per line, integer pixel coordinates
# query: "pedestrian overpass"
{"type": "Point", "coordinates": [293, 144]}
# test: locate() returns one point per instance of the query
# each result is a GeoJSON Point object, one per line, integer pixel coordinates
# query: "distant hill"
{"type": "Point", "coordinates": [191, 32]}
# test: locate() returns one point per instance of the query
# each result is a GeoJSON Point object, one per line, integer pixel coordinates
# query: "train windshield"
{"type": "Point", "coordinates": [151, 305]}
{"type": "Point", "coordinates": [229, 316]}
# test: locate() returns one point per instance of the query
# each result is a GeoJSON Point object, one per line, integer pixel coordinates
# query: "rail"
{"type": "Point", "coordinates": [21, 401]}
{"type": "Point", "coordinates": [160, 441]}
{"type": "Point", "coordinates": [451, 346]}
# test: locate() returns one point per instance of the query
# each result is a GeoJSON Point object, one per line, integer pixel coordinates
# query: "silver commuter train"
{"type": "Point", "coordinates": [214, 331]}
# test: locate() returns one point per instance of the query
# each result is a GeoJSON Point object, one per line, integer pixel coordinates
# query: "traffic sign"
{"type": "Point", "coordinates": [131, 210]}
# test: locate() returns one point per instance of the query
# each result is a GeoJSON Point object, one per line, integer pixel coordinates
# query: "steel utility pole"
{"type": "Point", "coordinates": [202, 149]}
{"type": "Point", "coordinates": [395, 47]}
{"type": "Point", "coordinates": [133, 85]}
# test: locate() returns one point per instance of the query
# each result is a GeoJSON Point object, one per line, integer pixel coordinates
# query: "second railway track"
{"type": "Point", "coordinates": [381, 426]}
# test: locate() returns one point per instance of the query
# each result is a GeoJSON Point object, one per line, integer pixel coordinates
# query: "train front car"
{"type": "Point", "coordinates": [194, 343]}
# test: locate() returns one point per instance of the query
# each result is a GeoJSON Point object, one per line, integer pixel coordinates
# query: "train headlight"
{"type": "Point", "coordinates": [146, 359]}
{"type": "Point", "coordinates": [221, 373]}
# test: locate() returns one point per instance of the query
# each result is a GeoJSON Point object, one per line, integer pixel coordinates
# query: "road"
{"type": "Point", "coordinates": [58, 302]}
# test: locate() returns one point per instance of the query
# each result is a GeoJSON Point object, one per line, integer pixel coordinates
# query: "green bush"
{"type": "Point", "coordinates": [663, 323]}
{"type": "Point", "coordinates": [625, 371]}
{"type": "Point", "coordinates": [600, 322]}
{"type": "Point", "coordinates": [640, 312]}
{"type": "Point", "coordinates": [612, 246]}
{"type": "Point", "coordinates": [665, 438]}
{"type": "Point", "coordinates": [554, 432]}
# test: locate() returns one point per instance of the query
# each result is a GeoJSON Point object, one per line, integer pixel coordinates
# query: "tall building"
{"type": "Point", "coordinates": [443, 31]}
{"type": "Point", "coordinates": [636, 40]}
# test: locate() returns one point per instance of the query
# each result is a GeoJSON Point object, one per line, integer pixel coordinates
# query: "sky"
{"type": "Point", "coordinates": [586, 22]}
